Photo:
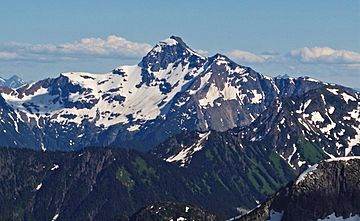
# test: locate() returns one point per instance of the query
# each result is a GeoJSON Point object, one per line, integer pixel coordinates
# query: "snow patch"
{"type": "Point", "coordinates": [38, 187]}
{"type": "Point", "coordinates": [55, 167]}
{"type": "Point", "coordinates": [169, 42]}
{"type": "Point", "coordinates": [300, 163]}
{"type": "Point", "coordinates": [291, 155]}
{"type": "Point", "coordinates": [306, 105]}
{"type": "Point", "coordinates": [257, 97]}
{"type": "Point", "coordinates": [212, 94]}
{"type": "Point", "coordinates": [316, 117]}
{"type": "Point", "coordinates": [347, 97]}
{"type": "Point", "coordinates": [343, 158]}
{"type": "Point", "coordinates": [55, 217]}
{"type": "Point", "coordinates": [328, 128]}
{"type": "Point", "coordinates": [185, 155]}
{"type": "Point", "coordinates": [43, 147]}
{"type": "Point", "coordinates": [333, 91]}
{"type": "Point", "coordinates": [307, 172]}
{"type": "Point", "coordinates": [134, 127]}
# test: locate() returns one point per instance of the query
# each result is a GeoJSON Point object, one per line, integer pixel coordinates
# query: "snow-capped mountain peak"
{"type": "Point", "coordinates": [170, 51]}
{"type": "Point", "coordinates": [178, 42]}
{"type": "Point", "coordinates": [134, 94]}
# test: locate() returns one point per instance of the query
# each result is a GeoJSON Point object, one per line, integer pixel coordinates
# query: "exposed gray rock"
{"type": "Point", "coordinates": [332, 187]}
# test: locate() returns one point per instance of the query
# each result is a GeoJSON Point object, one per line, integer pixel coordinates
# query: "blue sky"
{"type": "Point", "coordinates": [315, 38]}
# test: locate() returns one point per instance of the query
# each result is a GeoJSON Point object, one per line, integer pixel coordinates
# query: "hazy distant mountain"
{"type": "Point", "coordinates": [12, 82]}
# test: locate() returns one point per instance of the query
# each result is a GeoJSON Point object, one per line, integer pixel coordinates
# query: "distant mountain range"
{"type": "Point", "coordinates": [12, 82]}
{"type": "Point", "coordinates": [178, 126]}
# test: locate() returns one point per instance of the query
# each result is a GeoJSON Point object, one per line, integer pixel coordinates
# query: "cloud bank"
{"type": "Point", "coordinates": [306, 59]}
{"type": "Point", "coordinates": [4, 55]}
{"type": "Point", "coordinates": [113, 46]}
{"type": "Point", "coordinates": [325, 55]}
{"type": "Point", "coordinates": [297, 58]}
{"type": "Point", "coordinates": [245, 56]}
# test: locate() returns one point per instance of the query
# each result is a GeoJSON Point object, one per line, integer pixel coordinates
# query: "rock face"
{"type": "Point", "coordinates": [171, 211]}
{"type": "Point", "coordinates": [174, 89]}
{"type": "Point", "coordinates": [328, 190]}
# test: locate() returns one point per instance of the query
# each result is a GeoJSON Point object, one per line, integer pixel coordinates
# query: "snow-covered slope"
{"type": "Point", "coordinates": [107, 99]}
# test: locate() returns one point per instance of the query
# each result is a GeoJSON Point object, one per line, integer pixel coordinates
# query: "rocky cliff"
{"type": "Point", "coordinates": [329, 190]}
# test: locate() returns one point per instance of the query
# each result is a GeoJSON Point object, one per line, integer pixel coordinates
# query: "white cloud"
{"type": "Point", "coordinates": [112, 46]}
{"type": "Point", "coordinates": [325, 55]}
{"type": "Point", "coordinates": [245, 56]}
{"type": "Point", "coordinates": [4, 55]}
{"type": "Point", "coordinates": [353, 66]}
{"type": "Point", "coordinates": [202, 52]}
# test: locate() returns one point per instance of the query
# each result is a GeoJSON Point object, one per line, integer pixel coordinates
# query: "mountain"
{"type": "Point", "coordinates": [178, 126]}
{"type": "Point", "coordinates": [326, 191]}
{"type": "Point", "coordinates": [173, 89]}
{"type": "Point", "coordinates": [13, 82]}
